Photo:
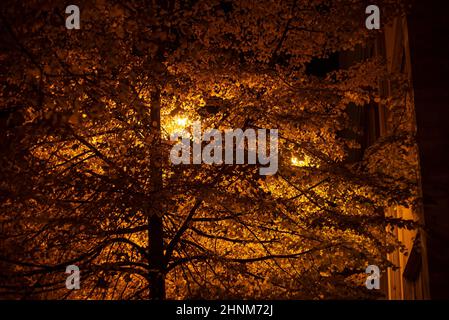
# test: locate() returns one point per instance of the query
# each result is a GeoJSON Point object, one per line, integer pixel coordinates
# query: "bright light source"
{"type": "Point", "coordinates": [181, 121]}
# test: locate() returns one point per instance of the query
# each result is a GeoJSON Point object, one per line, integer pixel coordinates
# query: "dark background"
{"type": "Point", "coordinates": [429, 35]}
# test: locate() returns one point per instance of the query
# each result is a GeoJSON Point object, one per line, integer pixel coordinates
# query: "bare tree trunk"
{"type": "Point", "coordinates": [155, 225]}
{"type": "Point", "coordinates": [157, 259]}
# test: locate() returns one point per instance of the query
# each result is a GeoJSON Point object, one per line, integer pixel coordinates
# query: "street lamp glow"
{"type": "Point", "coordinates": [181, 121]}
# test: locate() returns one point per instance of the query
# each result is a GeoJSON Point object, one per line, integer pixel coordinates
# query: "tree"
{"type": "Point", "coordinates": [87, 177]}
